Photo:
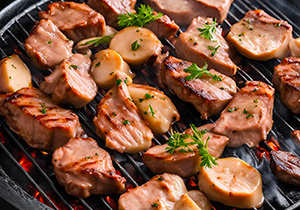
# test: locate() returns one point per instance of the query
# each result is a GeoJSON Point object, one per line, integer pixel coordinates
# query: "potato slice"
{"type": "Point", "coordinates": [106, 66]}
{"type": "Point", "coordinates": [14, 74]}
{"type": "Point", "coordinates": [136, 45]}
{"type": "Point", "coordinates": [193, 200]}
{"type": "Point", "coordinates": [232, 182]}
{"type": "Point", "coordinates": [155, 107]}
{"type": "Point", "coordinates": [295, 47]}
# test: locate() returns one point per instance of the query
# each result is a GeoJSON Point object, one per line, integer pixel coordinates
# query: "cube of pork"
{"type": "Point", "coordinates": [180, 163]}
{"type": "Point", "coordinates": [47, 46]}
{"type": "Point", "coordinates": [161, 192]}
{"type": "Point", "coordinates": [76, 21]}
{"type": "Point", "coordinates": [183, 11]}
{"type": "Point", "coordinates": [259, 36]}
{"type": "Point", "coordinates": [119, 122]}
{"type": "Point", "coordinates": [287, 81]}
{"type": "Point", "coordinates": [38, 120]}
{"type": "Point", "coordinates": [195, 48]}
{"type": "Point", "coordinates": [208, 96]}
{"type": "Point", "coordinates": [247, 119]}
{"type": "Point", "coordinates": [70, 82]}
{"type": "Point", "coordinates": [111, 9]}
{"type": "Point", "coordinates": [84, 168]}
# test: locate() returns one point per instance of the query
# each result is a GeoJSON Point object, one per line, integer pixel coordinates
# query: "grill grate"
{"type": "Point", "coordinates": [131, 166]}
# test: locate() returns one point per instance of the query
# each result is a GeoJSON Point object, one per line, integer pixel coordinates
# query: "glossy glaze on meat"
{"type": "Point", "coordinates": [84, 168]}
{"type": "Point", "coordinates": [70, 83]}
{"type": "Point", "coordinates": [38, 120]}
{"type": "Point", "coordinates": [47, 46]}
{"type": "Point", "coordinates": [208, 96]}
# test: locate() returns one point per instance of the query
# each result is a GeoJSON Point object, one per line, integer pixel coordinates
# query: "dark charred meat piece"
{"type": "Point", "coordinates": [285, 167]}
{"type": "Point", "coordinates": [286, 79]}
{"type": "Point", "coordinates": [84, 168]}
{"type": "Point", "coordinates": [111, 9]}
{"type": "Point", "coordinates": [208, 96]}
{"type": "Point", "coordinates": [295, 135]}
{"type": "Point", "coordinates": [70, 82]}
{"type": "Point", "coordinates": [183, 11]}
{"type": "Point", "coordinates": [119, 122]}
{"type": "Point", "coordinates": [247, 119]}
{"type": "Point", "coordinates": [163, 27]}
{"type": "Point", "coordinates": [198, 49]}
{"type": "Point", "coordinates": [47, 46]}
{"type": "Point", "coordinates": [38, 120]}
{"type": "Point", "coordinates": [76, 21]}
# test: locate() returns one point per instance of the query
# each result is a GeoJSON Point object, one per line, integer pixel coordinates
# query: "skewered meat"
{"type": "Point", "coordinates": [183, 11]}
{"type": "Point", "coordinates": [111, 9]}
{"type": "Point", "coordinates": [47, 46]}
{"type": "Point", "coordinates": [14, 74]}
{"type": "Point", "coordinates": [193, 200]}
{"type": "Point", "coordinates": [161, 192]}
{"type": "Point", "coordinates": [285, 166]}
{"type": "Point", "coordinates": [208, 96]}
{"type": "Point", "coordinates": [155, 107]}
{"type": "Point", "coordinates": [38, 120]}
{"type": "Point", "coordinates": [77, 21]}
{"type": "Point", "coordinates": [163, 27]}
{"type": "Point", "coordinates": [232, 182]}
{"type": "Point", "coordinates": [136, 45]}
{"type": "Point", "coordinates": [198, 49]}
{"type": "Point", "coordinates": [247, 119]}
{"type": "Point", "coordinates": [295, 135]}
{"type": "Point", "coordinates": [70, 82]}
{"type": "Point", "coordinates": [259, 36]}
{"type": "Point", "coordinates": [83, 169]}
{"type": "Point", "coordinates": [180, 163]}
{"type": "Point", "coordinates": [286, 79]}
{"type": "Point", "coordinates": [119, 122]}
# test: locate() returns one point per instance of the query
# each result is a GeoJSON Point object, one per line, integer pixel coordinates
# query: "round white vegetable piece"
{"type": "Point", "coordinates": [193, 200]}
{"type": "Point", "coordinates": [232, 182]}
{"type": "Point", "coordinates": [136, 45]}
{"type": "Point", "coordinates": [14, 74]}
{"type": "Point", "coordinates": [106, 67]}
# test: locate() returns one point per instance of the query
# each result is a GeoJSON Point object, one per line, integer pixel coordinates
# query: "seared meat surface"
{"type": "Point", "coordinates": [295, 135]}
{"type": "Point", "coordinates": [286, 79]}
{"type": "Point", "coordinates": [198, 49]}
{"type": "Point", "coordinates": [120, 124]}
{"type": "Point", "coordinates": [259, 36]}
{"type": "Point", "coordinates": [286, 167]}
{"type": "Point", "coordinates": [84, 168]}
{"type": "Point", "coordinates": [70, 82]}
{"type": "Point", "coordinates": [183, 11]}
{"type": "Point", "coordinates": [247, 119]}
{"type": "Point", "coordinates": [208, 96]}
{"type": "Point", "coordinates": [180, 163]}
{"type": "Point", "coordinates": [111, 9]}
{"type": "Point", "coordinates": [47, 46]}
{"type": "Point", "coordinates": [38, 120]}
{"type": "Point", "coordinates": [77, 21]}
{"type": "Point", "coordinates": [161, 192]}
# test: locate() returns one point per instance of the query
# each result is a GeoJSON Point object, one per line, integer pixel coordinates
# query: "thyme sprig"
{"type": "Point", "coordinates": [208, 31]}
{"type": "Point", "coordinates": [197, 72]}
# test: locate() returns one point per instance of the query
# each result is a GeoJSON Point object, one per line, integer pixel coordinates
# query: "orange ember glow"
{"type": "Point", "coordinates": [111, 202]}
{"type": "Point", "coordinates": [39, 197]}
{"type": "Point", "coordinates": [192, 183]}
{"type": "Point", "coordinates": [25, 163]}
{"type": "Point", "coordinates": [45, 153]}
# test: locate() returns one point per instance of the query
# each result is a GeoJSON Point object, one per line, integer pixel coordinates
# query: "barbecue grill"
{"type": "Point", "coordinates": [27, 179]}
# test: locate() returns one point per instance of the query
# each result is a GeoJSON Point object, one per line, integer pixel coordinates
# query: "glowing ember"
{"type": "Point", "coordinates": [25, 163]}
{"type": "Point", "coordinates": [39, 197]}
{"type": "Point", "coordinates": [192, 183]}
{"type": "Point", "coordinates": [45, 153]}
{"type": "Point", "coordinates": [111, 202]}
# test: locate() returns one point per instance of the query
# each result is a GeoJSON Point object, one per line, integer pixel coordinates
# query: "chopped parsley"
{"type": "Point", "coordinates": [277, 24]}
{"type": "Point", "coordinates": [255, 89]}
{"type": "Point", "coordinates": [233, 109]}
{"type": "Point", "coordinates": [126, 81]}
{"type": "Point", "coordinates": [148, 96]}
{"type": "Point", "coordinates": [255, 101]}
{"type": "Point", "coordinates": [9, 77]}
{"type": "Point", "coordinates": [151, 110]}
{"type": "Point", "coordinates": [118, 82]}
{"type": "Point", "coordinates": [43, 110]}
{"type": "Point", "coordinates": [73, 67]}
{"type": "Point", "coordinates": [154, 205]}
{"type": "Point", "coordinates": [208, 31]}
{"type": "Point", "coordinates": [50, 42]}
{"type": "Point", "coordinates": [97, 64]}
{"type": "Point", "coordinates": [130, 99]}
{"type": "Point", "coordinates": [126, 122]}
{"type": "Point", "coordinates": [135, 45]}
{"type": "Point", "coordinates": [250, 115]}
{"type": "Point", "coordinates": [114, 114]}
{"type": "Point", "coordinates": [96, 154]}
{"type": "Point", "coordinates": [214, 49]}
{"type": "Point", "coordinates": [245, 111]}
{"type": "Point", "coordinates": [111, 73]}
{"type": "Point", "coordinates": [13, 66]}
{"type": "Point", "coordinates": [160, 178]}
{"type": "Point", "coordinates": [9, 57]}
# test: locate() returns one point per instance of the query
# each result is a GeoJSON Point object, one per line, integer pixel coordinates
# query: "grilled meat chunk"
{"type": "Point", "coordinates": [193, 200]}
{"type": "Point", "coordinates": [295, 135]}
{"type": "Point", "coordinates": [163, 27]}
{"type": "Point", "coordinates": [183, 11]}
{"type": "Point", "coordinates": [83, 169]}
{"type": "Point", "coordinates": [286, 167]}
{"type": "Point", "coordinates": [47, 46]}
{"type": "Point", "coordinates": [286, 79]}
{"type": "Point", "coordinates": [38, 120]}
{"type": "Point", "coordinates": [198, 49]}
{"type": "Point", "coordinates": [161, 192]}
{"type": "Point", "coordinates": [180, 163]}
{"type": "Point", "coordinates": [259, 36]}
{"type": "Point", "coordinates": [294, 46]}
{"type": "Point", "coordinates": [208, 96]}
{"type": "Point", "coordinates": [111, 9]}
{"type": "Point", "coordinates": [70, 82]}
{"type": "Point", "coordinates": [77, 21]}
{"type": "Point", "coordinates": [119, 122]}
{"type": "Point", "coordinates": [247, 119]}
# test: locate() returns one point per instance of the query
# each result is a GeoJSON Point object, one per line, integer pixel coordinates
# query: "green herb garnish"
{"type": "Point", "coordinates": [126, 122]}
{"type": "Point", "coordinates": [154, 205]}
{"type": "Point", "coordinates": [135, 45]}
{"type": "Point", "coordinates": [151, 110]}
{"type": "Point", "coordinates": [118, 82]}
{"type": "Point", "coordinates": [215, 49]}
{"type": "Point", "coordinates": [73, 67]}
{"type": "Point", "coordinates": [197, 72]}
{"type": "Point", "coordinates": [97, 64]}
{"type": "Point", "coordinates": [250, 115]}
{"type": "Point", "coordinates": [100, 40]}
{"type": "Point", "coordinates": [209, 30]}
